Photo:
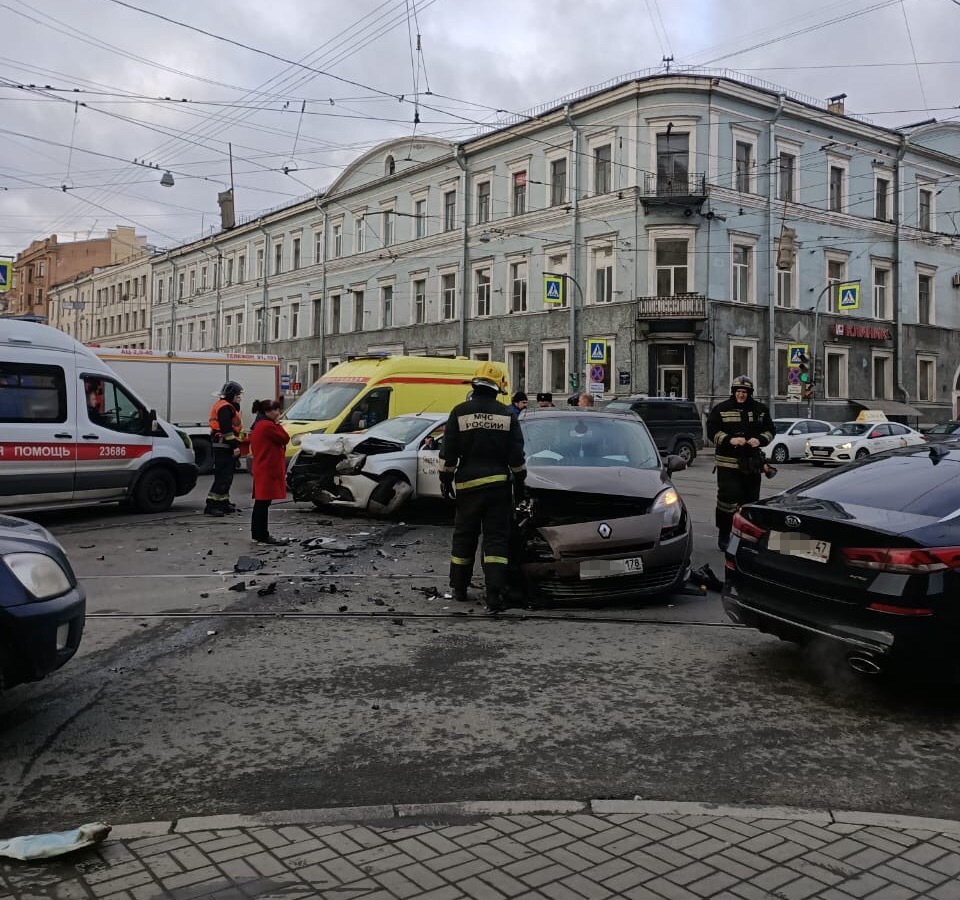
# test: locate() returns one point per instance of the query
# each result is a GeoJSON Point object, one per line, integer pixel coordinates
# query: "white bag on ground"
{"type": "Point", "coordinates": [40, 846]}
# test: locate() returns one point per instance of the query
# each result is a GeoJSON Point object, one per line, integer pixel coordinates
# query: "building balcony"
{"type": "Point", "coordinates": [677, 190]}
{"type": "Point", "coordinates": [678, 306]}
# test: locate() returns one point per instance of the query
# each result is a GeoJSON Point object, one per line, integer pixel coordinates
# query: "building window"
{"type": "Point", "coordinates": [193, 283]}
{"type": "Point", "coordinates": [241, 269]}
{"type": "Point", "coordinates": [786, 287]}
{"type": "Point", "coordinates": [482, 292]}
{"type": "Point", "coordinates": [191, 330]}
{"type": "Point", "coordinates": [420, 220]}
{"type": "Point", "coordinates": [603, 169]}
{"type": "Point", "coordinates": [337, 241]}
{"type": "Point", "coordinates": [448, 292]}
{"type": "Point", "coordinates": [390, 166]}
{"type": "Point", "coordinates": [742, 273]}
{"type": "Point", "coordinates": [483, 202]}
{"type": "Point", "coordinates": [673, 162]}
{"type": "Point", "coordinates": [836, 273]}
{"type": "Point", "coordinates": [558, 182]}
{"type": "Point", "coordinates": [836, 386]}
{"type": "Point", "coordinates": [881, 199]}
{"type": "Point", "coordinates": [787, 173]}
{"type": "Point", "coordinates": [836, 188]}
{"type": "Point", "coordinates": [294, 320]}
{"type": "Point", "coordinates": [449, 210]}
{"type": "Point", "coordinates": [317, 249]}
{"type": "Point", "coordinates": [260, 263]}
{"type": "Point", "coordinates": [743, 361]}
{"type": "Point", "coordinates": [277, 259]}
{"type": "Point", "coordinates": [882, 300]}
{"type": "Point", "coordinates": [335, 313]}
{"type": "Point", "coordinates": [241, 334]}
{"type": "Point", "coordinates": [159, 292]}
{"type": "Point", "coordinates": [179, 286]}
{"type": "Point", "coordinates": [924, 209]}
{"type": "Point", "coordinates": [744, 166]}
{"type": "Point", "coordinates": [926, 379]}
{"type": "Point", "coordinates": [924, 299]}
{"type": "Point", "coordinates": [519, 184]}
{"type": "Point", "coordinates": [517, 369]}
{"type": "Point", "coordinates": [555, 369]}
{"type": "Point", "coordinates": [386, 305]}
{"type": "Point", "coordinates": [275, 323]}
{"type": "Point", "coordinates": [358, 310]}
{"type": "Point", "coordinates": [203, 332]}
{"type": "Point", "coordinates": [602, 262]}
{"type": "Point", "coordinates": [420, 301]}
{"type": "Point", "coordinates": [518, 287]}
{"type": "Point", "coordinates": [230, 271]}
{"type": "Point", "coordinates": [360, 225]}
{"type": "Point", "coordinates": [296, 253]}
{"type": "Point", "coordinates": [671, 261]}
{"type": "Point", "coordinates": [227, 328]}
{"type": "Point", "coordinates": [203, 279]}
{"type": "Point", "coordinates": [882, 376]}
{"type": "Point", "coordinates": [388, 230]}
{"type": "Point", "coordinates": [317, 317]}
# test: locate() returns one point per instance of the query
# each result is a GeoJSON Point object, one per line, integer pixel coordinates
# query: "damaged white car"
{"type": "Point", "coordinates": [377, 470]}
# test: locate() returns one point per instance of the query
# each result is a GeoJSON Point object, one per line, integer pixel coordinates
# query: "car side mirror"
{"type": "Point", "coordinates": [675, 463]}
{"type": "Point", "coordinates": [151, 416]}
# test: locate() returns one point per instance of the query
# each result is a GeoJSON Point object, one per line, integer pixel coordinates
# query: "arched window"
{"type": "Point", "coordinates": [390, 167]}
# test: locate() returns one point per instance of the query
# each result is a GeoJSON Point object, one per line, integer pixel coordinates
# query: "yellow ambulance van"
{"type": "Point", "coordinates": [368, 389]}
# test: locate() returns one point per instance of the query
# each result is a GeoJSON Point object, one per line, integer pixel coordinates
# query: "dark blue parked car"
{"type": "Point", "coordinates": [42, 607]}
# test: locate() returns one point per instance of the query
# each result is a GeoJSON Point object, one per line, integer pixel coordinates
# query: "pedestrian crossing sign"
{"type": "Point", "coordinates": [553, 289]}
{"type": "Point", "coordinates": [597, 351]}
{"type": "Point", "coordinates": [6, 272]}
{"type": "Point", "coordinates": [848, 296]}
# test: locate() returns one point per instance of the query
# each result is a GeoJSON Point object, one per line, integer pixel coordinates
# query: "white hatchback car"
{"type": "Point", "coordinates": [855, 440]}
{"type": "Point", "coordinates": [790, 440]}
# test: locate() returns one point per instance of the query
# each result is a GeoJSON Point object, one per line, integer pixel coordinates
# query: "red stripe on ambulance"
{"type": "Point", "coordinates": [37, 451]}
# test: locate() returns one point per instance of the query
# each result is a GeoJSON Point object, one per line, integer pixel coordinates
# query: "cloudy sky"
{"type": "Point", "coordinates": [322, 80]}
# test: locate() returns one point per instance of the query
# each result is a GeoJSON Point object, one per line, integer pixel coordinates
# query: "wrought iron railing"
{"type": "Point", "coordinates": [693, 184]}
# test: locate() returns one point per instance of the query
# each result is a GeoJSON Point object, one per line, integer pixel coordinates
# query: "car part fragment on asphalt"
{"type": "Point", "coordinates": [247, 564]}
{"type": "Point", "coordinates": [43, 846]}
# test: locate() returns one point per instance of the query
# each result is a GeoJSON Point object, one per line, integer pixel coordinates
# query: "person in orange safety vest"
{"type": "Point", "coordinates": [225, 434]}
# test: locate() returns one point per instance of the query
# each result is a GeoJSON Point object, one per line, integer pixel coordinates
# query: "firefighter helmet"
{"type": "Point", "coordinates": [489, 376]}
{"type": "Point", "coordinates": [231, 390]}
{"type": "Point", "coordinates": [742, 383]}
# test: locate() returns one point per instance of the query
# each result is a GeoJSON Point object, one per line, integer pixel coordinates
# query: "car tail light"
{"type": "Point", "coordinates": [744, 529]}
{"type": "Point", "coordinates": [910, 561]}
{"type": "Point", "coordinates": [895, 609]}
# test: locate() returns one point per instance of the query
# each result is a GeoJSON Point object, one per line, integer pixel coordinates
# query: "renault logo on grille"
{"type": "Point", "coordinates": [604, 530]}
{"type": "Point", "coordinates": [791, 522]}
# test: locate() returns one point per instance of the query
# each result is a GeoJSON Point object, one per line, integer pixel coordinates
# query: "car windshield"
{"type": "Point", "coordinates": [911, 484]}
{"type": "Point", "coordinates": [403, 429]}
{"type": "Point", "coordinates": [589, 441]}
{"type": "Point", "coordinates": [782, 425]}
{"type": "Point", "coordinates": [851, 429]}
{"type": "Point", "coordinates": [324, 401]}
{"type": "Point", "coordinates": [944, 428]}
{"type": "Point", "coordinates": [618, 404]}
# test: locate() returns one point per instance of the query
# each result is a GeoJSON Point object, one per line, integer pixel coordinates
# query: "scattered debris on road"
{"type": "Point", "coordinates": [247, 564]}
{"type": "Point", "coordinates": [43, 846]}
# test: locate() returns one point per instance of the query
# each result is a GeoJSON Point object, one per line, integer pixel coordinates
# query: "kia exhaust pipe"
{"type": "Point", "coordinates": [863, 664]}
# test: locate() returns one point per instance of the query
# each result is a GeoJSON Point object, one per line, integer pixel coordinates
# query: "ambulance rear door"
{"type": "Point", "coordinates": [37, 428]}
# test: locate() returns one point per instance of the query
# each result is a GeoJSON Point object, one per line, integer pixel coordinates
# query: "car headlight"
{"type": "Point", "coordinates": [40, 574]}
{"type": "Point", "coordinates": [351, 465]}
{"type": "Point", "coordinates": [846, 446]}
{"type": "Point", "coordinates": [668, 503]}
{"type": "Point", "coordinates": [806, 446]}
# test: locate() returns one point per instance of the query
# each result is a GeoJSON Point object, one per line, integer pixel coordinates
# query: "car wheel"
{"type": "Point", "coordinates": [155, 491]}
{"type": "Point", "coordinates": [862, 453]}
{"type": "Point", "coordinates": [780, 454]}
{"type": "Point", "coordinates": [388, 496]}
{"type": "Point", "coordinates": [686, 451]}
{"type": "Point", "coordinates": [203, 453]}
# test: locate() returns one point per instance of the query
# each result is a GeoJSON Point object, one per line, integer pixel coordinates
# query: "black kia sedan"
{"type": "Point", "coordinates": [42, 607]}
{"type": "Point", "coordinates": [866, 557]}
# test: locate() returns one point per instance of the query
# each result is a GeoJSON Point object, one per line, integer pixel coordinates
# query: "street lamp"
{"type": "Point", "coordinates": [167, 179]}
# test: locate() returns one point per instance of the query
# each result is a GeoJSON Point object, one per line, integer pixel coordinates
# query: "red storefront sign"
{"type": "Point", "coordinates": [864, 332]}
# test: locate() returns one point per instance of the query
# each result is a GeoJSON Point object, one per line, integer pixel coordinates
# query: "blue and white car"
{"type": "Point", "coordinates": [42, 606]}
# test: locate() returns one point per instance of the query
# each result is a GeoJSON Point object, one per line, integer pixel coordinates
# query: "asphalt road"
{"type": "Point", "coordinates": [351, 680]}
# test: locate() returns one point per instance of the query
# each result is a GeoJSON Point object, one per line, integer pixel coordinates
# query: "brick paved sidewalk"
{"type": "Point", "coordinates": [487, 851]}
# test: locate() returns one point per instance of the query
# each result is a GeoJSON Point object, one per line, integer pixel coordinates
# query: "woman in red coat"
{"type": "Point", "coordinates": [268, 442]}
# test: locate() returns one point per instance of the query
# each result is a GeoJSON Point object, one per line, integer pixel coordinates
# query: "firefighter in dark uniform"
{"type": "Point", "coordinates": [225, 433]}
{"type": "Point", "coordinates": [738, 427]}
{"type": "Point", "coordinates": [482, 454]}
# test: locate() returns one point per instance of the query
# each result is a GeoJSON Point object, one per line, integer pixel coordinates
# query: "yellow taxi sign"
{"type": "Point", "coordinates": [872, 415]}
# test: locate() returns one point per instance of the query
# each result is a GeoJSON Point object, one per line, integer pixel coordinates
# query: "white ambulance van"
{"type": "Point", "coordinates": [72, 433]}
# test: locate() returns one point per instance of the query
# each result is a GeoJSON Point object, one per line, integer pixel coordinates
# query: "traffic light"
{"type": "Point", "coordinates": [808, 392]}
{"type": "Point", "coordinates": [803, 364]}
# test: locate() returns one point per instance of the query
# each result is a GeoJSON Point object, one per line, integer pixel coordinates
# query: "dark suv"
{"type": "Point", "coordinates": [675, 424]}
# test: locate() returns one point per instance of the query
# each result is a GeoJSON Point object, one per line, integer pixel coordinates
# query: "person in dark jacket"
{"type": "Point", "coordinates": [225, 434]}
{"type": "Point", "coordinates": [268, 442]}
{"type": "Point", "coordinates": [518, 403]}
{"type": "Point", "coordinates": [738, 427]}
{"type": "Point", "coordinates": [482, 452]}
{"type": "Point", "coordinates": [544, 400]}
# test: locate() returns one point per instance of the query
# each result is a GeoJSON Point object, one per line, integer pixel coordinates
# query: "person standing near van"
{"type": "Point", "coordinates": [518, 403]}
{"type": "Point", "coordinates": [482, 449]}
{"type": "Point", "coordinates": [225, 431]}
{"type": "Point", "coordinates": [738, 426]}
{"type": "Point", "coordinates": [268, 442]}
